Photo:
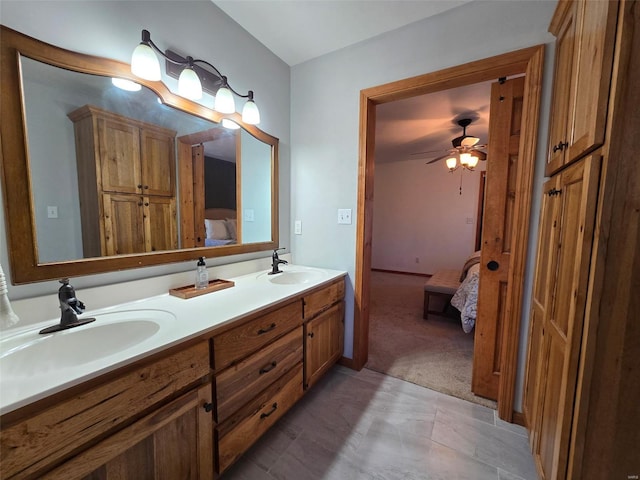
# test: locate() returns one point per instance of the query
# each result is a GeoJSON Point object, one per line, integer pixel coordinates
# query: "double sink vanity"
{"type": "Point", "coordinates": [165, 384]}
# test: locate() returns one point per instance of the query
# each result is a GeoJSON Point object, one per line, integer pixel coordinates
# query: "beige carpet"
{"type": "Point", "coordinates": [434, 353]}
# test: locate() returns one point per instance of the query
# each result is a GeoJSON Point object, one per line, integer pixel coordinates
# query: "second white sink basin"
{"type": "Point", "coordinates": [31, 354]}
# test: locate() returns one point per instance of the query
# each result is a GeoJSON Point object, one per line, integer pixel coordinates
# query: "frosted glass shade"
{"type": "Point", "coordinates": [230, 124]}
{"type": "Point", "coordinates": [250, 113]}
{"type": "Point", "coordinates": [451, 163]}
{"type": "Point", "coordinates": [465, 158]}
{"type": "Point", "coordinates": [224, 102]}
{"type": "Point", "coordinates": [144, 63]}
{"type": "Point", "coordinates": [473, 161]}
{"type": "Point", "coordinates": [189, 85]}
{"type": "Point", "coordinates": [127, 85]}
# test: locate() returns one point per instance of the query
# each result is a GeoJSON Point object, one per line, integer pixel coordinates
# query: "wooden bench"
{"type": "Point", "coordinates": [442, 284]}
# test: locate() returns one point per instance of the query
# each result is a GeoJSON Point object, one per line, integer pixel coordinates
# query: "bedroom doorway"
{"type": "Point", "coordinates": [527, 61]}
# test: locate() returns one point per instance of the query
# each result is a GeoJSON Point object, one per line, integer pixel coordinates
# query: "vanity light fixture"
{"type": "Point", "coordinates": [145, 64]}
{"type": "Point", "coordinates": [125, 84]}
{"type": "Point", "coordinates": [230, 124]}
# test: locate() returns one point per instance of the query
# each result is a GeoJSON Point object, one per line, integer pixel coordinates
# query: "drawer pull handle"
{"type": "Point", "coordinates": [268, 329]}
{"type": "Point", "coordinates": [274, 407]}
{"type": "Point", "coordinates": [208, 407]}
{"type": "Point", "coordinates": [268, 368]}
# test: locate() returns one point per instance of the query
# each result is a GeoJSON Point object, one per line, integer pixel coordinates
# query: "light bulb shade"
{"type": "Point", "coordinates": [451, 163]}
{"type": "Point", "coordinates": [127, 85]}
{"type": "Point", "coordinates": [230, 124]}
{"type": "Point", "coordinates": [250, 113]}
{"type": "Point", "coordinates": [465, 158]}
{"type": "Point", "coordinates": [224, 102]}
{"type": "Point", "coordinates": [473, 161]}
{"type": "Point", "coordinates": [144, 63]}
{"type": "Point", "coordinates": [189, 85]}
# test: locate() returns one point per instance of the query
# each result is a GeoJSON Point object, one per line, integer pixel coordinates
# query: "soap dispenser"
{"type": "Point", "coordinates": [202, 275]}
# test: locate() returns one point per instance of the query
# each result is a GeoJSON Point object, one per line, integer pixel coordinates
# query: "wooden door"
{"type": "Point", "coordinates": [158, 162]}
{"type": "Point", "coordinates": [119, 155]}
{"type": "Point", "coordinates": [497, 235]}
{"type": "Point", "coordinates": [324, 339]}
{"type": "Point", "coordinates": [565, 45]}
{"type": "Point", "coordinates": [173, 442]}
{"type": "Point", "coordinates": [123, 224]}
{"type": "Point", "coordinates": [545, 258]}
{"type": "Point", "coordinates": [160, 230]}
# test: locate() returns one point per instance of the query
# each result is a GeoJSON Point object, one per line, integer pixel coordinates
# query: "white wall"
{"type": "Point", "coordinates": [420, 217]}
{"type": "Point", "coordinates": [112, 29]}
{"type": "Point", "coordinates": [325, 107]}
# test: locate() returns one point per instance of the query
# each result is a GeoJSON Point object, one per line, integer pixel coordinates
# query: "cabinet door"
{"type": "Point", "coordinates": [591, 77]}
{"type": "Point", "coordinates": [565, 45]}
{"type": "Point", "coordinates": [547, 238]}
{"type": "Point", "coordinates": [123, 224]}
{"type": "Point", "coordinates": [158, 163]}
{"type": "Point", "coordinates": [173, 442]}
{"type": "Point", "coordinates": [119, 155]}
{"type": "Point", "coordinates": [324, 339]}
{"type": "Point", "coordinates": [564, 315]}
{"type": "Point", "coordinates": [160, 231]}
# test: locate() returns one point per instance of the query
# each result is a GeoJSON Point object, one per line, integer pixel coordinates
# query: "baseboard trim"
{"type": "Point", "coordinates": [519, 419]}
{"type": "Point", "coordinates": [347, 362]}
{"type": "Point", "coordinates": [401, 273]}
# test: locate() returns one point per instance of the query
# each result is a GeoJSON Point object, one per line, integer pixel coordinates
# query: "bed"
{"type": "Point", "coordinates": [466, 297]}
{"type": "Point", "coordinates": [220, 226]}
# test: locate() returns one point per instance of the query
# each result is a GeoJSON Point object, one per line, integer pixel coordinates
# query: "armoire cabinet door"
{"type": "Point", "coordinates": [160, 223]}
{"type": "Point", "coordinates": [119, 159]}
{"type": "Point", "coordinates": [157, 162]}
{"type": "Point", "coordinates": [571, 238]}
{"type": "Point", "coordinates": [124, 229]}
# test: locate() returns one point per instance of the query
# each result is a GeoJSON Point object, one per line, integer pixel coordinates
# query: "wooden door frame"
{"type": "Point", "coordinates": [528, 61]}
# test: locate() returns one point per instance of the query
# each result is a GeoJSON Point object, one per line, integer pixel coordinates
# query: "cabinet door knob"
{"type": "Point", "coordinates": [274, 407]}
{"type": "Point", "coordinates": [310, 334]}
{"type": "Point", "coordinates": [146, 187]}
{"type": "Point", "coordinates": [208, 407]}
{"type": "Point", "coordinates": [140, 186]}
{"type": "Point", "coordinates": [268, 329]}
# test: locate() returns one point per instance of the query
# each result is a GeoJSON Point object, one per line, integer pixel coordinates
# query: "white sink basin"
{"type": "Point", "coordinates": [31, 354]}
{"type": "Point", "coordinates": [297, 276]}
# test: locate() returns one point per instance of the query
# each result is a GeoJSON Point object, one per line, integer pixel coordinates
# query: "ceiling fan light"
{"type": "Point", "coordinates": [473, 161]}
{"type": "Point", "coordinates": [451, 163]}
{"type": "Point", "coordinates": [144, 63]}
{"type": "Point", "coordinates": [189, 85]}
{"type": "Point", "coordinates": [465, 159]}
{"type": "Point", "coordinates": [224, 102]}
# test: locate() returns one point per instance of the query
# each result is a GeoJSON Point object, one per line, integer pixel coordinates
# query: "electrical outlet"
{"type": "Point", "coordinates": [52, 212]}
{"type": "Point", "coordinates": [469, 220]}
{"type": "Point", "coordinates": [297, 227]}
{"type": "Point", "coordinates": [344, 216]}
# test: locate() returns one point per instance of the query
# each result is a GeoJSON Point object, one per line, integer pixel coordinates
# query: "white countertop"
{"type": "Point", "coordinates": [193, 317]}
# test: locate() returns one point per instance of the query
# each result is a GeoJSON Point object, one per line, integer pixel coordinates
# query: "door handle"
{"type": "Point", "coordinates": [493, 265]}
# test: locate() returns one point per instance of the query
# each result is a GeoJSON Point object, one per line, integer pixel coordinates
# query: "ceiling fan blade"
{"type": "Point", "coordinates": [479, 153]}
{"type": "Point", "coordinates": [427, 152]}
{"type": "Point", "coordinates": [438, 158]}
{"type": "Point", "coordinates": [469, 141]}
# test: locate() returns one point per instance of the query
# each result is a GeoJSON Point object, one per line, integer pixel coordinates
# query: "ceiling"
{"type": "Point", "coordinates": [428, 123]}
{"type": "Point", "coordinates": [299, 30]}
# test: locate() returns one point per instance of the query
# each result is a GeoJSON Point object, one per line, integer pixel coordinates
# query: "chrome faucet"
{"type": "Point", "coordinates": [276, 262]}
{"type": "Point", "coordinates": [70, 306]}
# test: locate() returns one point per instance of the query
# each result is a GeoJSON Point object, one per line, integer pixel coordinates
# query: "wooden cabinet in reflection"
{"type": "Point", "coordinates": [126, 179]}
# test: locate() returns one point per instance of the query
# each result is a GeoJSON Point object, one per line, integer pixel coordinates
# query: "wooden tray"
{"type": "Point", "coordinates": [190, 291]}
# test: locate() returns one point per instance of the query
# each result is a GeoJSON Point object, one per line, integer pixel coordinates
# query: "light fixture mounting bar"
{"type": "Point", "coordinates": [175, 63]}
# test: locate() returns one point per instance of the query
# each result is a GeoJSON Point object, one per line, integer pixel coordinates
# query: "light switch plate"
{"type": "Point", "coordinates": [249, 215]}
{"type": "Point", "coordinates": [344, 216]}
{"type": "Point", "coordinates": [297, 227]}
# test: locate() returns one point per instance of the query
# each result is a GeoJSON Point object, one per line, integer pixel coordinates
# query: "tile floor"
{"type": "Point", "coordinates": [366, 425]}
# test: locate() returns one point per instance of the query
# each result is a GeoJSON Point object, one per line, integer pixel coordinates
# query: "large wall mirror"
{"type": "Point", "coordinates": [98, 178]}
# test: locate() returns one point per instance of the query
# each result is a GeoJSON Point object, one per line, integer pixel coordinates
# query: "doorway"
{"type": "Point", "coordinates": [528, 61]}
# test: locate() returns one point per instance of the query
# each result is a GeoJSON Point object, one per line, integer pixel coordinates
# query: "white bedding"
{"type": "Point", "coordinates": [466, 298]}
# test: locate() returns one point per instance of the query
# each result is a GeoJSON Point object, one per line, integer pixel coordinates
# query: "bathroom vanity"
{"type": "Point", "coordinates": [194, 402]}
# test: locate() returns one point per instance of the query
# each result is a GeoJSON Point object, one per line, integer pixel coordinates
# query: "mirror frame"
{"type": "Point", "coordinates": [14, 160]}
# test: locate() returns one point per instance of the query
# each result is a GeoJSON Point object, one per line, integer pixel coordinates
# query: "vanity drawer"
{"type": "Point", "coordinates": [241, 341]}
{"type": "Point", "coordinates": [237, 384]}
{"type": "Point", "coordinates": [243, 428]}
{"type": "Point", "coordinates": [320, 300]}
{"type": "Point", "coordinates": [29, 446]}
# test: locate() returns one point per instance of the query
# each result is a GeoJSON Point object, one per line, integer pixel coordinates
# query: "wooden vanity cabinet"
{"type": "Point", "coordinates": [584, 32]}
{"type": "Point", "coordinates": [126, 180]}
{"type": "Point", "coordinates": [117, 424]}
{"type": "Point", "coordinates": [263, 365]}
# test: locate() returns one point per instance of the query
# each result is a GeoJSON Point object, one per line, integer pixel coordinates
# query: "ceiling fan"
{"type": "Point", "coordinates": [464, 147]}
